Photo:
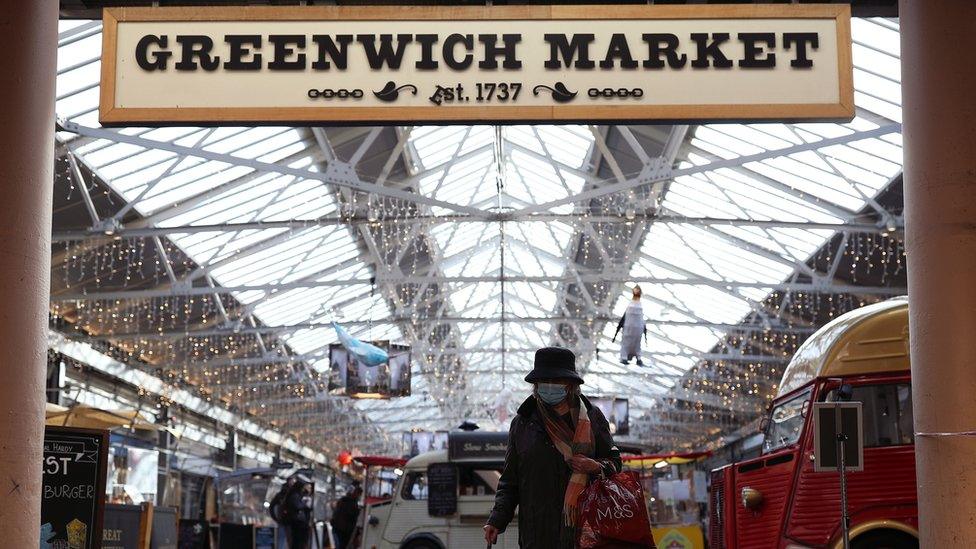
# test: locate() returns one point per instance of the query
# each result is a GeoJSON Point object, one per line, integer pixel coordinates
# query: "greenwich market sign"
{"type": "Point", "coordinates": [342, 65]}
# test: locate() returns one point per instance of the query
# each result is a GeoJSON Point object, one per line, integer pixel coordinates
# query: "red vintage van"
{"type": "Point", "coordinates": [777, 501]}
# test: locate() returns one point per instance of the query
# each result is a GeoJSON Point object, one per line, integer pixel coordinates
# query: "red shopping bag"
{"type": "Point", "coordinates": [613, 514]}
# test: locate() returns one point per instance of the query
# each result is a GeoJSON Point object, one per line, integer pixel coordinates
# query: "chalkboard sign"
{"type": "Point", "coordinates": [194, 534]}
{"type": "Point", "coordinates": [121, 527]}
{"type": "Point", "coordinates": [236, 536]}
{"type": "Point", "coordinates": [264, 537]}
{"type": "Point", "coordinates": [73, 491]}
{"type": "Point", "coordinates": [442, 494]}
{"type": "Point", "coordinates": [164, 523]}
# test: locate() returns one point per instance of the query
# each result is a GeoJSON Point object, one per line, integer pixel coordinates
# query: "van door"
{"type": "Point", "coordinates": [409, 514]}
{"type": "Point", "coordinates": [477, 484]}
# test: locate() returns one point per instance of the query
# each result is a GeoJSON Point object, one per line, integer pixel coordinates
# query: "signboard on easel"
{"type": "Point", "coordinates": [826, 429]}
{"type": "Point", "coordinates": [75, 464]}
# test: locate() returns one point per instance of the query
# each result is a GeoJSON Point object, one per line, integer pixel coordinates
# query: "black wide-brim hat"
{"type": "Point", "coordinates": [553, 363]}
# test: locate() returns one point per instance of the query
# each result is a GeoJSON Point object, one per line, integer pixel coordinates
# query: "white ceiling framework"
{"type": "Point", "coordinates": [474, 244]}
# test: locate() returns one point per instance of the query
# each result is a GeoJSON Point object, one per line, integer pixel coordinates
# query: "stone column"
{"type": "Point", "coordinates": [28, 59]}
{"type": "Point", "coordinates": [938, 45]}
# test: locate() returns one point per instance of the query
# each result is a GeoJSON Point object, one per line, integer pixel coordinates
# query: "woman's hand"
{"type": "Point", "coordinates": [491, 534]}
{"type": "Point", "coordinates": [583, 464]}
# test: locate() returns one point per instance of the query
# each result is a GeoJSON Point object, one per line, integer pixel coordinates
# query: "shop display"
{"type": "Point", "coordinates": [617, 412]}
{"type": "Point", "coordinates": [418, 442]}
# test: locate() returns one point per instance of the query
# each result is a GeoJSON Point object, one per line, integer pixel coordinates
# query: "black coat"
{"type": "Point", "coordinates": [536, 476]}
{"type": "Point", "coordinates": [345, 515]}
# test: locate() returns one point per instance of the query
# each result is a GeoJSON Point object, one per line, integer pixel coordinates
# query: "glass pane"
{"type": "Point", "coordinates": [786, 423]}
{"type": "Point", "coordinates": [887, 412]}
{"type": "Point", "coordinates": [415, 486]}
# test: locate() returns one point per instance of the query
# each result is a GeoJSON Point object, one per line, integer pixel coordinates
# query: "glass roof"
{"type": "Point", "coordinates": [521, 266]}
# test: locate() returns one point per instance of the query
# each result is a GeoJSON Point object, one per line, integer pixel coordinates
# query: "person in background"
{"type": "Point", "coordinates": [345, 515]}
{"type": "Point", "coordinates": [299, 505]}
{"type": "Point", "coordinates": [633, 325]}
{"type": "Point", "coordinates": [278, 510]}
{"type": "Point", "coordinates": [557, 442]}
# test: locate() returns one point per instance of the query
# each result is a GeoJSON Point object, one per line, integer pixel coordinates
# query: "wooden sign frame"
{"type": "Point", "coordinates": [620, 112]}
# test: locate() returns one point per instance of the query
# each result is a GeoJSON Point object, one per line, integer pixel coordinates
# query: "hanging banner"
{"type": "Point", "coordinates": [505, 64]}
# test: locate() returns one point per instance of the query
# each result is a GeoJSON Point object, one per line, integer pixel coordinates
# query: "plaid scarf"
{"type": "Point", "coordinates": [570, 441]}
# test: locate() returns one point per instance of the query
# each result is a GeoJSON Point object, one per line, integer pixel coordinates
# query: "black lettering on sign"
{"type": "Point", "coordinates": [285, 46]}
{"type": "Point", "coordinates": [427, 61]}
{"type": "Point", "coordinates": [801, 40]}
{"type": "Point", "coordinates": [241, 46]}
{"type": "Point", "coordinates": [663, 44]}
{"type": "Point", "coordinates": [158, 59]}
{"type": "Point", "coordinates": [490, 61]}
{"type": "Point", "coordinates": [756, 56]}
{"type": "Point", "coordinates": [450, 44]}
{"type": "Point", "coordinates": [385, 54]}
{"type": "Point", "coordinates": [578, 47]}
{"type": "Point", "coordinates": [196, 47]}
{"type": "Point", "coordinates": [711, 49]}
{"type": "Point", "coordinates": [328, 48]}
{"type": "Point", "coordinates": [618, 49]}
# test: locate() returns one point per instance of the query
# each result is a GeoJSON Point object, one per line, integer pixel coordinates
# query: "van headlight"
{"type": "Point", "coordinates": [751, 498]}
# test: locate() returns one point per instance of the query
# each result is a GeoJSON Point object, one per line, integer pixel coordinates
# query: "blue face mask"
{"type": "Point", "coordinates": [551, 393]}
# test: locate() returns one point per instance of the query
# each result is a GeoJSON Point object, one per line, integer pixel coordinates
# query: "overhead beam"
{"type": "Point", "coordinates": [772, 286]}
{"type": "Point", "coordinates": [245, 330]}
{"type": "Point", "coordinates": [328, 176]}
{"type": "Point", "coordinates": [486, 217]}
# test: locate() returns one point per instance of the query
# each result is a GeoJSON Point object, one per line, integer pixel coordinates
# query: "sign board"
{"type": "Point", "coordinates": [442, 489]}
{"type": "Point", "coordinates": [194, 534]}
{"type": "Point", "coordinates": [122, 527]}
{"type": "Point", "coordinates": [73, 489]}
{"type": "Point", "coordinates": [825, 429]}
{"type": "Point", "coordinates": [264, 537]}
{"type": "Point", "coordinates": [476, 446]}
{"type": "Point", "coordinates": [342, 65]}
{"type": "Point", "coordinates": [236, 536]}
{"type": "Point", "coordinates": [165, 521]}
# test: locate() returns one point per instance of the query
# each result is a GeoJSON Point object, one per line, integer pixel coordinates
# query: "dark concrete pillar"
{"type": "Point", "coordinates": [28, 52]}
{"type": "Point", "coordinates": [938, 48]}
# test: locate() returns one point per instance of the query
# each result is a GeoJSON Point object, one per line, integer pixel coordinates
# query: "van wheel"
{"type": "Point", "coordinates": [885, 539]}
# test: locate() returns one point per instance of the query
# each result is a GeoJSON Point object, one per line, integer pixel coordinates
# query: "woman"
{"type": "Point", "coordinates": [556, 443]}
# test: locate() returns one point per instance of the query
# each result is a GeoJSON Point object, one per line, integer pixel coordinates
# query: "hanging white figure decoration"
{"type": "Point", "coordinates": [633, 325]}
{"type": "Point", "coordinates": [502, 406]}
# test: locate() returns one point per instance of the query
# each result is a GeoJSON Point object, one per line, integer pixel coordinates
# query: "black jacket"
{"type": "Point", "coordinates": [536, 476]}
{"type": "Point", "coordinates": [300, 511]}
{"type": "Point", "coordinates": [345, 515]}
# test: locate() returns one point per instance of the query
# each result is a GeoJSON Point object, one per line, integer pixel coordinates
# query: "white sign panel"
{"type": "Point", "coordinates": [501, 64]}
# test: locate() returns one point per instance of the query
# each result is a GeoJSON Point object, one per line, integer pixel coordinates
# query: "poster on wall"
{"type": "Point", "coordinates": [418, 442]}
{"type": "Point", "coordinates": [353, 378]}
{"type": "Point", "coordinates": [408, 64]}
{"type": "Point", "coordinates": [617, 412]}
{"type": "Point", "coordinates": [75, 463]}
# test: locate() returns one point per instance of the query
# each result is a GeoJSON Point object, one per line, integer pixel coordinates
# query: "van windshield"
{"type": "Point", "coordinates": [786, 422]}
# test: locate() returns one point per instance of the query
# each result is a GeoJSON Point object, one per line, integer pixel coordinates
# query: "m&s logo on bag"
{"type": "Point", "coordinates": [614, 512]}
